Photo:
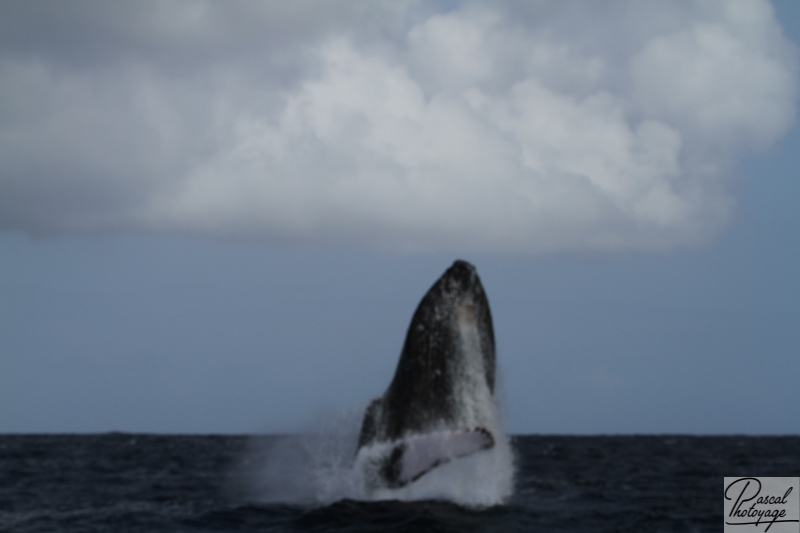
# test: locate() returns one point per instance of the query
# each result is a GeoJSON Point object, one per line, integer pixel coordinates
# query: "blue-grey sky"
{"type": "Point", "coordinates": [219, 217]}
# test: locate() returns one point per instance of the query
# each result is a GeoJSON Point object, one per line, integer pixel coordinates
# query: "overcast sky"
{"type": "Point", "coordinates": [220, 216]}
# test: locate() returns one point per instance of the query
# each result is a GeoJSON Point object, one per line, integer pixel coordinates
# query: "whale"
{"type": "Point", "coordinates": [439, 406]}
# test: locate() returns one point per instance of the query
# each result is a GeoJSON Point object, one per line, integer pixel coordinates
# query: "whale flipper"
{"type": "Point", "coordinates": [439, 405]}
{"type": "Point", "coordinates": [415, 456]}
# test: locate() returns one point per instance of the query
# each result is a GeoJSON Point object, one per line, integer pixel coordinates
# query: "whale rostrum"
{"type": "Point", "coordinates": [440, 403]}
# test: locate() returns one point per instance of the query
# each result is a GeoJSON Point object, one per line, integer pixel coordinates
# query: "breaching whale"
{"type": "Point", "coordinates": [440, 403]}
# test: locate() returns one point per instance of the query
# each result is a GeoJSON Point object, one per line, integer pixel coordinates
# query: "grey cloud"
{"type": "Point", "coordinates": [517, 127]}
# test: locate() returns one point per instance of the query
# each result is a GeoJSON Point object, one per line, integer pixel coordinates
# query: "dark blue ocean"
{"type": "Point", "coordinates": [129, 482]}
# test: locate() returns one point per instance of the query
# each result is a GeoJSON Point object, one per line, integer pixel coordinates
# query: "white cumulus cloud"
{"type": "Point", "coordinates": [512, 127]}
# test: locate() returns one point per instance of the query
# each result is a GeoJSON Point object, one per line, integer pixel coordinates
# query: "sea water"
{"type": "Point", "coordinates": [124, 482]}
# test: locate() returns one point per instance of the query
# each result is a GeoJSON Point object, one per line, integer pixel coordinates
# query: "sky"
{"type": "Point", "coordinates": [220, 217]}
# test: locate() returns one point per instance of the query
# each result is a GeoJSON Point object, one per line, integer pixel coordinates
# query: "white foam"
{"type": "Point", "coordinates": [320, 468]}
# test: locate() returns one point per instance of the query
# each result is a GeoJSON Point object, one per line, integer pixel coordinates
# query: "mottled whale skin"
{"type": "Point", "coordinates": [440, 402]}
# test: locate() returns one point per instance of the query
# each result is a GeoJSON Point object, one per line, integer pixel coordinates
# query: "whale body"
{"type": "Point", "coordinates": [440, 404]}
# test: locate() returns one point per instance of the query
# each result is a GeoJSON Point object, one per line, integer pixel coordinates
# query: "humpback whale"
{"type": "Point", "coordinates": [440, 404]}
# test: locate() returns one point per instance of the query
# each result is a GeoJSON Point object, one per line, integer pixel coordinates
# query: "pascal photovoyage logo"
{"type": "Point", "coordinates": [762, 504]}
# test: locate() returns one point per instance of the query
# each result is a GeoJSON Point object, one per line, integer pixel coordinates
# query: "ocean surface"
{"type": "Point", "coordinates": [130, 482]}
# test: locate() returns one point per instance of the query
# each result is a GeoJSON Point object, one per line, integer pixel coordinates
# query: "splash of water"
{"type": "Point", "coordinates": [320, 468]}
